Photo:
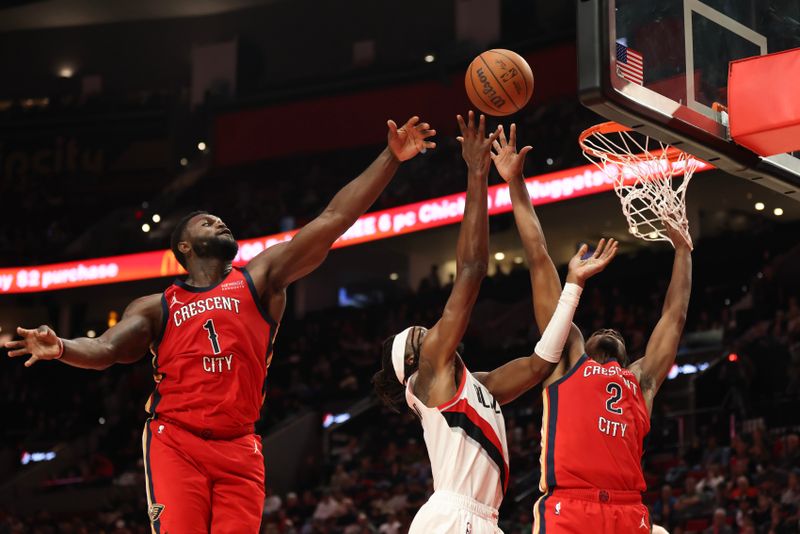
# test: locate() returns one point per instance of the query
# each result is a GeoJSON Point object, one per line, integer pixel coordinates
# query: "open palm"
{"type": "Point", "coordinates": [507, 160]}
{"type": "Point", "coordinates": [582, 269]}
{"type": "Point", "coordinates": [41, 344]}
{"type": "Point", "coordinates": [409, 140]}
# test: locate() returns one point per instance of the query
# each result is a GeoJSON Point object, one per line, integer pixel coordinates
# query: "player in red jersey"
{"type": "Point", "coordinates": [596, 403]}
{"type": "Point", "coordinates": [211, 338]}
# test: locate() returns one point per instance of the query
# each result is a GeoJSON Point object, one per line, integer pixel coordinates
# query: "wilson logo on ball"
{"type": "Point", "coordinates": [499, 82]}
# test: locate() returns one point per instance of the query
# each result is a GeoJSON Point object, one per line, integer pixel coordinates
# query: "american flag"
{"type": "Point", "coordinates": [630, 64]}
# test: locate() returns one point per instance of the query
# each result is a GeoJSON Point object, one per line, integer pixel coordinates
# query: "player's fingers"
{"type": "Point", "coordinates": [411, 122]}
{"type": "Point", "coordinates": [422, 126]}
{"type": "Point", "coordinates": [599, 250]}
{"type": "Point", "coordinates": [503, 140]}
{"type": "Point", "coordinates": [495, 135]}
{"type": "Point", "coordinates": [609, 249]}
{"type": "Point", "coordinates": [18, 352]}
{"type": "Point", "coordinates": [482, 126]}
{"type": "Point", "coordinates": [512, 136]}
{"type": "Point", "coordinates": [496, 146]}
{"type": "Point", "coordinates": [460, 139]}
{"type": "Point", "coordinates": [31, 361]}
{"type": "Point", "coordinates": [428, 133]}
{"type": "Point", "coordinates": [461, 125]}
{"type": "Point", "coordinates": [429, 144]}
{"type": "Point", "coordinates": [18, 344]}
{"type": "Point", "coordinates": [582, 250]}
{"type": "Point", "coordinates": [392, 127]}
{"type": "Point", "coordinates": [25, 332]}
{"type": "Point", "coordinates": [524, 151]}
{"type": "Point", "coordinates": [471, 120]}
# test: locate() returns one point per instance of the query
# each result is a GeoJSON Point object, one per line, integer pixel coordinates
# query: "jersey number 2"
{"type": "Point", "coordinates": [212, 335]}
{"type": "Point", "coordinates": [616, 393]}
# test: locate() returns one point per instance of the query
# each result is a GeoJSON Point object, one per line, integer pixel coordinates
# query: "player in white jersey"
{"type": "Point", "coordinates": [459, 411]}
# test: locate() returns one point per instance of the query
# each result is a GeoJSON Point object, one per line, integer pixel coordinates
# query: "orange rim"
{"type": "Point", "coordinates": [673, 154]}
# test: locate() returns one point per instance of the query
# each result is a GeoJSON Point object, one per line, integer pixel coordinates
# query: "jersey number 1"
{"type": "Point", "coordinates": [212, 335]}
{"type": "Point", "coordinates": [616, 394]}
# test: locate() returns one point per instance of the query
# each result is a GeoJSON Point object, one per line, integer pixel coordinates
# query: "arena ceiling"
{"type": "Point", "coordinates": [36, 14]}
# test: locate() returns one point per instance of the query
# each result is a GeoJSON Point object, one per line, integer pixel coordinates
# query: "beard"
{"type": "Point", "coordinates": [220, 247]}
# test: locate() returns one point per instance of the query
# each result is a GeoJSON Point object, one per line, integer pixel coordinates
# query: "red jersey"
{"type": "Point", "coordinates": [594, 422]}
{"type": "Point", "coordinates": [210, 363]}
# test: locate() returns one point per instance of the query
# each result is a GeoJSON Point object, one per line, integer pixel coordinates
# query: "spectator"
{"type": "Point", "coordinates": [719, 524]}
{"type": "Point", "coordinates": [664, 508]}
{"type": "Point", "coordinates": [712, 480]}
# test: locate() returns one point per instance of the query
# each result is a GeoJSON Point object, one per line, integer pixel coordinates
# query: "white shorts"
{"type": "Point", "coordinates": [451, 513]}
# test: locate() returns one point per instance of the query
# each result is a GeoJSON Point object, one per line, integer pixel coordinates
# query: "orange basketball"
{"type": "Point", "coordinates": [499, 82]}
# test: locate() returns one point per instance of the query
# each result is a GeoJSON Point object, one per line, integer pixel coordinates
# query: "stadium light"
{"type": "Point", "coordinates": [518, 260]}
{"type": "Point", "coordinates": [778, 212]}
{"type": "Point", "coordinates": [430, 58]}
{"type": "Point", "coordinates": [91, 333]}
{"type": "Point", "coordinates": [394, 276]}
{"type": "Point", "coordinates": [201, 146]}
{"type": "Point", "coordinates": [156, 218]}
{"type": "Point", "coordinates": [499, 256]}
{"type": "Point", "coordinates": [145, 228]}
{"type": "Point", "coordinates": [759, 206]}
{"type": "Point", "coordinates": [65, 72]}
{"type": "Point", "coordinates": [184, 162]}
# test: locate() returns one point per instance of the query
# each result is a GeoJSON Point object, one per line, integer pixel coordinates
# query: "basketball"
{"type": "Point", "coordinates": [499, 82]}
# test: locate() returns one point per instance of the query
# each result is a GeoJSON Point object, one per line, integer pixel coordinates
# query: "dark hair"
{"type": "Point", "coordinates": [610, 349]}
{"type": "Point", "coordinates": [177, 236]}
{"type": "Point", "coordinates": [385, 382]}
{"type": "Point", "coordinates": [387, 387]}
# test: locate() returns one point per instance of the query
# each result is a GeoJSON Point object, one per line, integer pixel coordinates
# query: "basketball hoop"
{"type": "Point", "coordinates": [641, 170]}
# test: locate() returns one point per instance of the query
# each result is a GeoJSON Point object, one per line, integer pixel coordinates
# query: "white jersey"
{"type": "Point", "coordinates": [466, 440]}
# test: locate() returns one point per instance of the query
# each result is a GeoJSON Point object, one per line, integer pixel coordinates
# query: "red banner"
{"type": "Point", "coordinates": [544, 189]}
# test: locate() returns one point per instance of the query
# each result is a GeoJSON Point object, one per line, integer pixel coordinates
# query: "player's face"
{"type": "Point", "coordinates": [607, 343]}
{"type": "Point", "coordinates": [211, 238]}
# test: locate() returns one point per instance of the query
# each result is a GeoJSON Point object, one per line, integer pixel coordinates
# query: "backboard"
{"type": "Point", "coordinates": [661, 68]}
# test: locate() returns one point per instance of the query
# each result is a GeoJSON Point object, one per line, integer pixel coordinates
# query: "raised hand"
{"type": "Point", "coordinates": [475, 146]}
{"type": "Point", "coordinates": [410, 139]}
{"type": "Point", "coordinates": [581, 269]}
{"type": "Point", "coordinates": [41, 344]}
{"type": "Point", "coordinates": [676, 236]}
{"type": "Point", "coordinates": [507, 160]}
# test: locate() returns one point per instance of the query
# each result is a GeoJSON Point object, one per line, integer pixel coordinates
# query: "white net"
{"type": "Point", "coordinates": [643, 171]}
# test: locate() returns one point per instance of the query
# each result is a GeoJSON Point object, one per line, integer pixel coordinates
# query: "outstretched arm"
{"type": "Point", "coordinates": [472, 252]}
{"type": "Point", "coordinates": [545, 284]}
{"type": "Point", "coordinates": [511, 380]}
{"type": "Point", "coordinates": [277, 267]}
{"type": "Point", "coordinates": [662, 348]}
{"type": "Point", "coordinates": [125, 342]}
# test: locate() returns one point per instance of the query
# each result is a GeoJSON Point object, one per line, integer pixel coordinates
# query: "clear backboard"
{"type": "Point", "coordinates": [661, 67]}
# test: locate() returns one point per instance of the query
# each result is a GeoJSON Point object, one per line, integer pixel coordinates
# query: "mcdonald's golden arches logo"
{"type": "Point", "coordinates": [170, 265]}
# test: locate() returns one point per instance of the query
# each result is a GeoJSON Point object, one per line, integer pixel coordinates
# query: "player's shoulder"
{"type": "Point", "coordinates": [149, 305]}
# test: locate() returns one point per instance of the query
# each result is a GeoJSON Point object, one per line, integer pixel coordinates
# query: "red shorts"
{"type": "Point", "coordinates": [566, 511]}
{"type": "Point", "coordinates": [196, 485]}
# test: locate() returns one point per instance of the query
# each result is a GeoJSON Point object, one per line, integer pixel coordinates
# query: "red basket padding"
{"type": "Point", "coordinates": [763, 102]}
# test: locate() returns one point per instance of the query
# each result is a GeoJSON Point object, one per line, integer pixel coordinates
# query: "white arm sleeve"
{"type": "Point", "coordinates": [550, 347]}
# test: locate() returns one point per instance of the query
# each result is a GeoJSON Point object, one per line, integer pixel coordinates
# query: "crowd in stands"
{"type": "Point", "coordinates": [733, 477]}
{"type": "Point", "coordinates": [255, 200]}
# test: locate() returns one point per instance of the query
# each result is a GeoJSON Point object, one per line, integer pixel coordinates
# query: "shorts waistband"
{"type": "Point", "coordinates": [600, 495]}
{"type": "Point", "coordinates": [207, 433]}
{"type": "Point", "coordinates": [465, 503]}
